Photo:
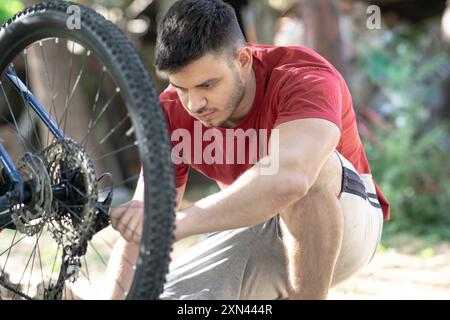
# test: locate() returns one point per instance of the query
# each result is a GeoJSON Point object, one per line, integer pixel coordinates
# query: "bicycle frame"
{"type": "Point", "coordinates": [16, 193]}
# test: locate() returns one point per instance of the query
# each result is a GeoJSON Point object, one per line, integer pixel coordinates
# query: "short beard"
{"type": "Point", "coordinates": [234, 100]}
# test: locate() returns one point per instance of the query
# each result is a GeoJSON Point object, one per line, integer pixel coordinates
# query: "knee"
{"type": "Point", "coordinates": [329, 179]}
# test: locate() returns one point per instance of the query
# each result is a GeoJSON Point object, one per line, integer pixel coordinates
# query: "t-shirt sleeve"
{"type": "Point", "coordinates": [181, 170]}
{"type": "Point", "coordinates": [181, 174]}
{"type": "Point", "coordinates": [312, 93]}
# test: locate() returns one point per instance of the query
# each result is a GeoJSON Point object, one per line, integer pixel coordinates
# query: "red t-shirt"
{"type": "Point", "coordinates": [291, 83]}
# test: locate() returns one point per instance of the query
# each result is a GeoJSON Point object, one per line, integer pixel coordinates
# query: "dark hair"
{"type": "Point", "coordinates": [193, 28]}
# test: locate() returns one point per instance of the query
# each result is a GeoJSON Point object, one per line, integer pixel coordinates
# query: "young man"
{"type": "Point", "coordinates": [310, 220]}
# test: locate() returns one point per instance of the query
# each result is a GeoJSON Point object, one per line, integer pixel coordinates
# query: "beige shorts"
{"type": "Point", "coordinates": [249, 263]}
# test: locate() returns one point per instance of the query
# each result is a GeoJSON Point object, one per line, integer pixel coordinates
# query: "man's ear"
{"type": "Point", "coordinates": [244, 58]}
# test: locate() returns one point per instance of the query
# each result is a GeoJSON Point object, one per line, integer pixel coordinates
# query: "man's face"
{"type": "Point", "coordinates": [210, 88]}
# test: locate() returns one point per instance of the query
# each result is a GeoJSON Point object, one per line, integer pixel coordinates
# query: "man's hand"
{"type": "Point", "coordinates": [128, 220]}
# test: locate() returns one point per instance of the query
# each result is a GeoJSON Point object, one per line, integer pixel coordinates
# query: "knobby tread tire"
{"type": "Point", "coordinates": [48, 19]}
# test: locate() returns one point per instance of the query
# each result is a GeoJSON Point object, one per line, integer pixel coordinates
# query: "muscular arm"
{"type": "Point", "coordinates": [304, 146]}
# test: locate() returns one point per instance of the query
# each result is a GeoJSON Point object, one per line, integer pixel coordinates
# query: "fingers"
{"type": "Point", "coordinates": [134, 230]}
{"type": "Point", "coordinates": [128, 225]}
{"type": "Point", "coordinates": [115, 216]}
{"type": "Point", "coordinates": [124, 225]}
{"type": "Point", "coordinates": [127, 220]}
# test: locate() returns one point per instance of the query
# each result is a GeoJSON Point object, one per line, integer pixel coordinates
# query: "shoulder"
{"type": "Point", "coordinates": [285, 66]}
{"type": "Point", "coordinates": [289, 57]}
{"type": "Point", "coordinates": [173, 109]}
{"type": "Point", "coordinates": [169, 97]}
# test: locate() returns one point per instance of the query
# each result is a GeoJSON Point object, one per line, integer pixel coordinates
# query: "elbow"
{"type": "Point", "coordinates": [294, 179]}
{"type": "Point", "coordinates": [294, 186]}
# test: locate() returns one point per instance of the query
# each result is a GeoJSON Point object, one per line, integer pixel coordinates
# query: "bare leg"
{"type": "Point", "coordinates": [312, 234]}
{"type": "Point", "coordinates": [121, 269]}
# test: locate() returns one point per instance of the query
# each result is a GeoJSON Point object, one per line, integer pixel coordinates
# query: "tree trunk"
{"type": "Point", "coordinates": [322, 33]}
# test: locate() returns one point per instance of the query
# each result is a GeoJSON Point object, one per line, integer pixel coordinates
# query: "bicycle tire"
{"type": "Point", "coordinates": [48, 19]}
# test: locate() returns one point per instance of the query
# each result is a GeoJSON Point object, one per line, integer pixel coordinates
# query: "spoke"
{"type": "Point", "coordinates": [7, 122]}
{"type": "Point", "coordinates": [102, 111]}
{"type": "Point", "coordinates": [98, 254]}
{"type": "Point", "coordinates": [80, 73]}
{"type": "Point", "coordinates": [53, 269]}
{"type": "Point", "coordinates": [22, 138]}
{"type": "Point", "coordinates": [63, 116]}
{"type": "Point", "coordinates": [12, 127]}
{"type": "Point", "coordinates": [106, 264]}
{"type": "Point", "coordinates": [97, 96]}
{"type": "Point", "coordinates": [13, 245]}
{"type": "Point", "coordinates": [34, 256]}
{"type": "Point", "coordinates": [124, 181]}
{"type": "Point", "coordinates": [77, 80]}
{"type": "Point", "coordinates": [3, 227]}
{"type": "Point", "coordinates": [40, 265]}
{"type": "Point", "coordinates": [32, 265]}
{"type": "Point", "coordinates": [50, 85]}
{"type": "Point", "coordinates": [118, 150]}
{"type": "Point", "coordinates": [93, 289]}
{"type": "Point", "coordinates": [9, 252]}
{"type": "Point", "coordinates": [114, 129]}
{"type": "Point", "coordinates": [26, 267]}
{"type": "Point", "coordinates": [87, 275]}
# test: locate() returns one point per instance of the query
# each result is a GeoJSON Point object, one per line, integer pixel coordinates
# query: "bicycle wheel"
{"type": "Point", "coordinates": [92, 83]}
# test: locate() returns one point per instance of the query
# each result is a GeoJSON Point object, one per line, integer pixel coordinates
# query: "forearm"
{"type": "Point", "coordinates": [120, 269]}
{"type": "Point", "coordinates": [250, 200]}
{"type": "Point", "coordinates": [140, 190]}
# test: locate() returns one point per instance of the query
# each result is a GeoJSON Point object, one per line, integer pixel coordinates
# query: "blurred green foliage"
{"type": "Point", "coordinates": [410, 158]}
{"type": "Point", "coordinates": [8, 9]}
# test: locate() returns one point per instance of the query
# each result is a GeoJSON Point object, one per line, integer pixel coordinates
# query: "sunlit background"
{"type": "Point", "coordinates": [399, 76]}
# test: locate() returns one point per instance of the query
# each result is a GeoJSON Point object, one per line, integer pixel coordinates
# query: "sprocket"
{"type": "Point", "coordinates": [69, 165]}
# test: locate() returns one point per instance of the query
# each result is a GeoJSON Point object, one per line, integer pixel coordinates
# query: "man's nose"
{"type": "Point", "coordinates": [196, 102]}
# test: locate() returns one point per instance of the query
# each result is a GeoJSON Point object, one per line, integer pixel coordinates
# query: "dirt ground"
{"type": "Point", "coordinates": [394, 274]}
{"type": "Point", "coordinates": [412, 271]}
